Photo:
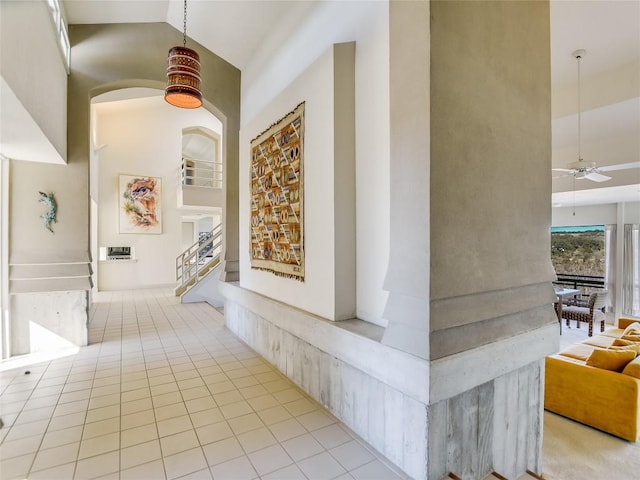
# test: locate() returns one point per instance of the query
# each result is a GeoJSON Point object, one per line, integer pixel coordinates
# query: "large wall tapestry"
{"type": "Point", "coordinates": [277, 236]}
{"type": "Point", "coordinates": [140, 205]}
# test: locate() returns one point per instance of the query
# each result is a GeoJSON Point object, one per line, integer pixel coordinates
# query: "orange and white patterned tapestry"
{"type": "Point", "coordinates": [277, 233]}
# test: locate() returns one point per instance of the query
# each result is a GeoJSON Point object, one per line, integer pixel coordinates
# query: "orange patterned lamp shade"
{"type": "Point", "coordinates": [183, 78]}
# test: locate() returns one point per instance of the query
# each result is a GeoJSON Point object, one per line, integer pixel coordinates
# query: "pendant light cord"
{"type": "Point", "coordinates": [574, 195]}
{"type": "Point", "coordinates": [184, 26]}
{"type": "Point", "coordinates": [579, 136]}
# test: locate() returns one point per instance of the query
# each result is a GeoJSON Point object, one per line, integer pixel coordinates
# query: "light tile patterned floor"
{"type": "Point", "coordinates": [165, 391]}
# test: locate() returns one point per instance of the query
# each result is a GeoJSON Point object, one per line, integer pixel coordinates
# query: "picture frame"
{"type": "Point", "coordinates": [140, 204]}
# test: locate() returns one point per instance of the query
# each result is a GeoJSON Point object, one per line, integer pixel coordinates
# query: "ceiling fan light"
{"type": "Point", "coordinates": [582, 165]}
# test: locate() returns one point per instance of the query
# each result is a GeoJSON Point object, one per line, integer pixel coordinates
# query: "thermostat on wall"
{"type": "Point", "coordinates": [116, 253]}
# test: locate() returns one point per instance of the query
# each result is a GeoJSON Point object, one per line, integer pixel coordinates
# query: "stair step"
{"type": "Point", "coordinates": [202, 272]}
{"type": "Point", "coordinates": [183, 288]}
{"type": "Point", "coordinates": [530, 475]}
{"type": "Point", "coordinates": [496, 476]}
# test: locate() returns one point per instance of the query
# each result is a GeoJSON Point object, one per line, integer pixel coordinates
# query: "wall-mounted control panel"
{"type": "Point", "coordinates": [108, 254]}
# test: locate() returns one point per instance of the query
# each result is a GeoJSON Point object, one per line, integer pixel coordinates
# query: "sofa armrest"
{"type": "Point", "coordinates": [606, 400]}
{"type": "Point", "coordinates": [625, 322]}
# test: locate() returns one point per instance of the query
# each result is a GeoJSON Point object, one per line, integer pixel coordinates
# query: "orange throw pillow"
{"type": "Point", "coordinates": [633, 368]}
{"type": "Point", "coordinates": [632, 328]}
{"type": "Point", "coordinates": [619, 344]}
{"type": "Point", "coordinates": [631, 337]}
{"type": "Point", "coordinates": [614, 360]}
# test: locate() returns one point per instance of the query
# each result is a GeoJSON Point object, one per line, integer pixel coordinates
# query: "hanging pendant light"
{"type": "Point", "coordinates": [183, 74]}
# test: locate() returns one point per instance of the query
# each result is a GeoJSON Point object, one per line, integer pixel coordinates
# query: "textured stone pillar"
{"type": "Point", "coordinates": [470, 274]}
{"type": "Point", "coordinates": [491, 316]}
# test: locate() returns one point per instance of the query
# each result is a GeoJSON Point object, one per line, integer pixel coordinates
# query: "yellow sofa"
{"type": "Point", "coordinates": [604, 399]}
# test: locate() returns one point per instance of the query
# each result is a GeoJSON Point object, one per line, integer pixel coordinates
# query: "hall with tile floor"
{"type": "Point", "coordinates": [165, 391]}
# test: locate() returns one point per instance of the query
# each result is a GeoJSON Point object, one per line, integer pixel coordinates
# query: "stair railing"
{"type": "Point", "coordinates": [199, 257]}
{"type": "Point", "coordinates": [200, 173]}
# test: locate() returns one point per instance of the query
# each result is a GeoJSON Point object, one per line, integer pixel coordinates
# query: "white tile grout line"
{"type": "Point", "coordinates": [133, 324]}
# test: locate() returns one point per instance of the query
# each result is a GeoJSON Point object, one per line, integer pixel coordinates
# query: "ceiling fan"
{"type": "Point", "coordinates": [590, 171]}
{"type": "Point", "coordinates": [581, 169]}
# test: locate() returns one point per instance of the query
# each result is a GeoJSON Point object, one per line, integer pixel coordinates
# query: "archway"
{"type": "Point", "coordinates": [134, 133]}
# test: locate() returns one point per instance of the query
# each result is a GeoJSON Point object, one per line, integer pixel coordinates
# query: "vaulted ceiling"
{"type": "Point", "coordinates": [609, 31]}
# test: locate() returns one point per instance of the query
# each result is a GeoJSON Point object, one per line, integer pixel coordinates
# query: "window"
{"type": "Point", "coordinates": [579, 257]}
{"type": "Point", "coordinates": [61, 31]}
{"type": "Point", "coordinates": [631, 270]}
{"type": "Point", "coordinates": [578, 250]}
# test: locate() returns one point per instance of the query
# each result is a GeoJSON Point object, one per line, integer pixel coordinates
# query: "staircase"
{"type": "Point", "coordinates": [496, 476]}
{"type": "Point", "coordinates": [198, 260]}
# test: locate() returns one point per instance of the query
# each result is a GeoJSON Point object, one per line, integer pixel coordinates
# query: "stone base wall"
{"type": "Point", "coordinates": [489, 420]}
{"type": "Point", "coordinates": [496, 426]}
{"type": "Point", "coordinates": [48, 321]}
{"type": "Point", "coordinates": [393, 421]}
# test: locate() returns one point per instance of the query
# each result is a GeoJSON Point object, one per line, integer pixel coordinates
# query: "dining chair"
{"type": "Point", "coordinates": [592, 311]}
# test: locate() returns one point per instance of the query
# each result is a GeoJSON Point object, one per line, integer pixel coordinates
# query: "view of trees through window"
{"type": "Point", "coordinates": [578, 250]}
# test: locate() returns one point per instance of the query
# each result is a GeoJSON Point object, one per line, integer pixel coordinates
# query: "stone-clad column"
{"type": "Point", "coordinates": [490, 172]}
{"type": "Point", "coordinates": [491, 316]}
{"type": "Point", "coordinates": [470, 274]}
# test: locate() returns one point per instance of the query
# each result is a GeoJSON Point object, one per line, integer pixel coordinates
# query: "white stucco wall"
{"type": "Point", "coordinates": [595, 215]}
{"type": "Point", "coordinates": [316, 293]}
{"type": "Point", "coordinates": [33, 67]}
{"type": "Point", "coordinates": [632, 212]}
{"type": "Point", "coordinates": [141, 137]}
{"type": "Point", "coordinates": [271, 71]}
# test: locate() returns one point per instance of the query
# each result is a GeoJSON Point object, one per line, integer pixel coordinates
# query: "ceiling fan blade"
{"type": "Point", "coordinates": [561, 170]}
{"type": "Point", "coordinates": [596, 177]}
{"type": "Point", "coordinates": [554, 177]}
{"type": "Point", "coordinates": [620, 166]}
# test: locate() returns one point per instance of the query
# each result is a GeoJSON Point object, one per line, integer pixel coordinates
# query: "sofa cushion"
{"type": "Point", "coordinates": [633, 368]}
{"type": "Point", "coordinates": [578, 351]}
{"type": "Point", "coordinates": [612, 332]}
{"type": "Point", "coordinates": [614, 360]}
{"type": "Point", "coordinates": [572, 311]}
{"type": "Point", "coordinates": [602, 341]}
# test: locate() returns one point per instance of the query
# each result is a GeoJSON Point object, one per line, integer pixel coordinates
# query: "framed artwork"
{"type": "Point", "coordinates": [277, 194]}
{"type": "Point", "coordinates": [140, 204]}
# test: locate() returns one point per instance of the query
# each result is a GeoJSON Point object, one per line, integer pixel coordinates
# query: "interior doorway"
{"type": "Point", "coordinates": [136, 135]}
{"type": "Point", "coordinates": [196, 226]}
